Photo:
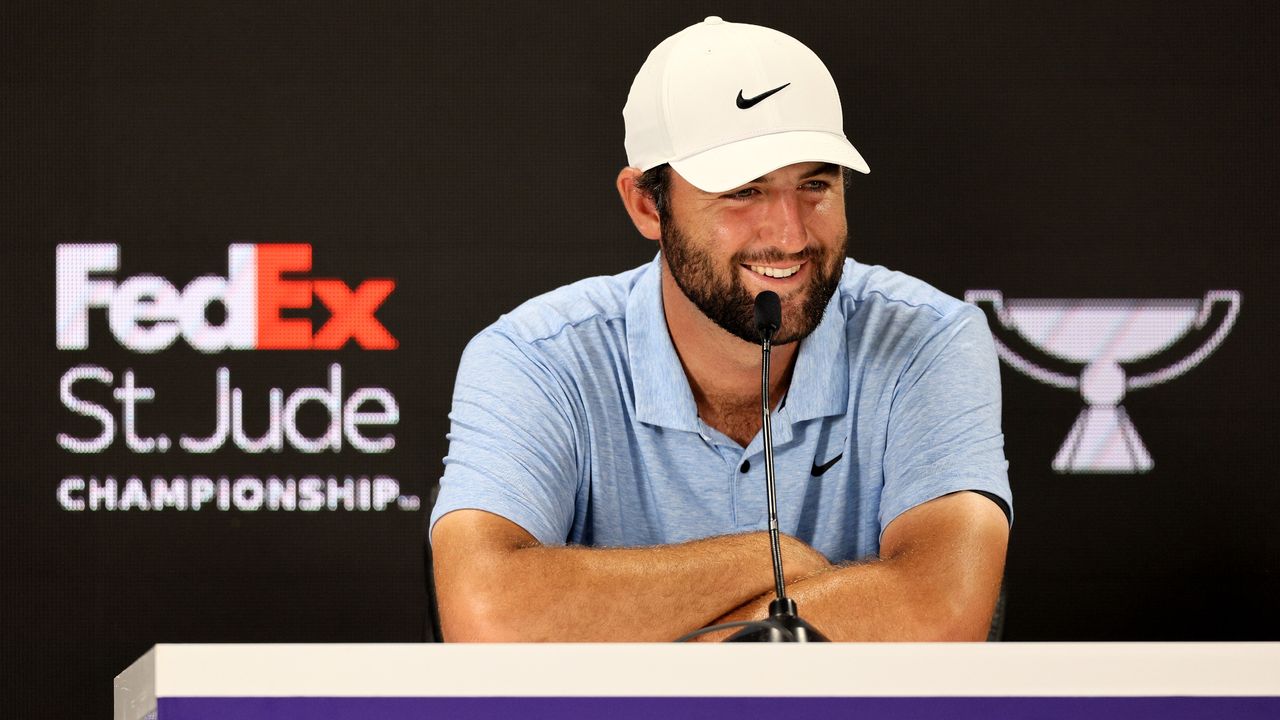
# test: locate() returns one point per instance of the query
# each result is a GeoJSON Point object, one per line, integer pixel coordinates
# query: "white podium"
{"type": "Point", "coordinates": [624, 681]}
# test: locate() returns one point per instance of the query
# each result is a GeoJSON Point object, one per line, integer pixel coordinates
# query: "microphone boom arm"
{"type": "Point", "coordinates": [784, 623]}
{"type": "Point", "coordinates": [775, 544]}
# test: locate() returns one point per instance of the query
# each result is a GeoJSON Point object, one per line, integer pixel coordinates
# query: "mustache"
{"type": "Point", "coordinates": [774, 255]}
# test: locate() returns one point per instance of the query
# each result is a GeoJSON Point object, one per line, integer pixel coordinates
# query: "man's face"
{"type": "Point", "coordinates": [783, 232]}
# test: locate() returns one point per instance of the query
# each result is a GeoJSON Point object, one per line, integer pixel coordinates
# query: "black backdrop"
{"type": "Point", "coordinates": [467, 151]}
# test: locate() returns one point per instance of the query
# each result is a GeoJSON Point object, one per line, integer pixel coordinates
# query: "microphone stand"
{"type": "Point", "coordinates": [784, 623]}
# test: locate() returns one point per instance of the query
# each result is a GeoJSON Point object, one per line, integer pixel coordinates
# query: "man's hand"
{"type": "Point", "coordinates": [495, 582]}
{"type": "Point", "coordinates": [937, 578]}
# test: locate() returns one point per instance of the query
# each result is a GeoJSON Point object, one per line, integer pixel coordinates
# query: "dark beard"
{"type": "Point", "coordinates": [731, 306]}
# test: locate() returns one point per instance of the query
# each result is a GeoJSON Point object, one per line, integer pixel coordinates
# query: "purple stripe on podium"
{"type": "Point", "coordinates": [719, 708]}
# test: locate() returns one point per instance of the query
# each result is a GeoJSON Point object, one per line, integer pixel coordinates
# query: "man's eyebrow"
{"type": "Point", "coordinates": [824, 169]}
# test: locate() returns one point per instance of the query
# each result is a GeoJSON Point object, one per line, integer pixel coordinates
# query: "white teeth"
{"type": "Point", "coordinates": [775, 272]}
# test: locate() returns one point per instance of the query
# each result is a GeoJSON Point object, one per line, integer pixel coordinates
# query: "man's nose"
{"type": "Point", "coordinates": [784, 225]}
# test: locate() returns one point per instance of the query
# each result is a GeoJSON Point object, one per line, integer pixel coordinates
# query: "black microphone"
{"type": "Point", "coordinates": [768, 317]}
{"type": "Point", "coordinates": [784, 624]}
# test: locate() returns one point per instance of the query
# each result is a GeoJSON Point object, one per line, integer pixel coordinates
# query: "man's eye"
{"type": "Point", "coordinates": [742, 194]}
{"type": "Point", "coordinates": [816, 185]}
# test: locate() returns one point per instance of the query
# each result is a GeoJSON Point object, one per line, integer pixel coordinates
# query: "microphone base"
{"type": "Point", "coordinates": [783, 625]}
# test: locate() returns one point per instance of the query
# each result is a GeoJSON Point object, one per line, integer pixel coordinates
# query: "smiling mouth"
{"type": "Point", "coordinates": [774, 272]}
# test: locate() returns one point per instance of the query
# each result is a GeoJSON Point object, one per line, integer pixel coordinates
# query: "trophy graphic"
{"type": "Point", "coordinates": [1100, 335]}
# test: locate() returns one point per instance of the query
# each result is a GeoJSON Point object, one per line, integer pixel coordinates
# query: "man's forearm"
{"type": "Point", "coordinates": [938, 579]}
{"type": "Point", "coordinates": [625, 594]}
{"type": "Point", "coordinates": [870, 602]}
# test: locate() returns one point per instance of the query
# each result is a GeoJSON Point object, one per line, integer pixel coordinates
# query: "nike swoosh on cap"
{"type": "Point", "coordinates": [746, 103]}
{"type": "Point", "coordinates": [819, 469]}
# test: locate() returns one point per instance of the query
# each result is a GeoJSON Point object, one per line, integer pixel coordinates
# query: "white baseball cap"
{"type": "Point", "coordinates": [725, 103]}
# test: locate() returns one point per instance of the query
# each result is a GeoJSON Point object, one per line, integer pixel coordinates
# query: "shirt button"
{"type": "Point", "coordinates": [746, 466]}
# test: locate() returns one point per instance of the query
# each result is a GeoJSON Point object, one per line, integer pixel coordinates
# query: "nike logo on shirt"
{"type": "Point", "coordinates": [819, 469]}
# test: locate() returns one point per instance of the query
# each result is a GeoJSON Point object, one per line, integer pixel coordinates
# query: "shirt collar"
{"type": "Point", "coordinates": [662, 393]}
{"type": "Point", "coordinates": [819, 384]}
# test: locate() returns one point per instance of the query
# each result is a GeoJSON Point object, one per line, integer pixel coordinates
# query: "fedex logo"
{"type": "Point", "coordinates": [146, 313]}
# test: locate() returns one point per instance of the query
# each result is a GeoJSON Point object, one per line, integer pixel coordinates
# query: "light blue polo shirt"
{"type": "Point", "coordinates": [572, 417]}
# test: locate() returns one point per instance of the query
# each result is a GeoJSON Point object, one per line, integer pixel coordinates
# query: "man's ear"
{"type": "Point", "coordinates": [641, 208]}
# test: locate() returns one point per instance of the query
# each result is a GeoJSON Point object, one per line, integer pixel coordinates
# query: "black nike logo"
{"type": "Point", "coordinates": [745, 103]}
{"type": "Point", "coordinates": [819, 469]}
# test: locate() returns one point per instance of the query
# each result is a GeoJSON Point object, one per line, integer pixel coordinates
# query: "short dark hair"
{"type": "Point", "coordinates": [656, 183]}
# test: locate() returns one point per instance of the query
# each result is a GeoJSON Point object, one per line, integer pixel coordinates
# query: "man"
{"type": "Point", "coordinates": [605, 472]}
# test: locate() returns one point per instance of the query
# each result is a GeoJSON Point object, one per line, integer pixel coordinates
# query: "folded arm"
{"type": "Point", "coordinates": [496, 583]}
{"type": "Point", "coordinates": [937, 578]}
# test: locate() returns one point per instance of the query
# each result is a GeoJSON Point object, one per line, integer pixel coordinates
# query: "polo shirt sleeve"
{"type": "Point", "coordinates": [512, 439]}
{"type": "Point", "coordinates": [944, 420]}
